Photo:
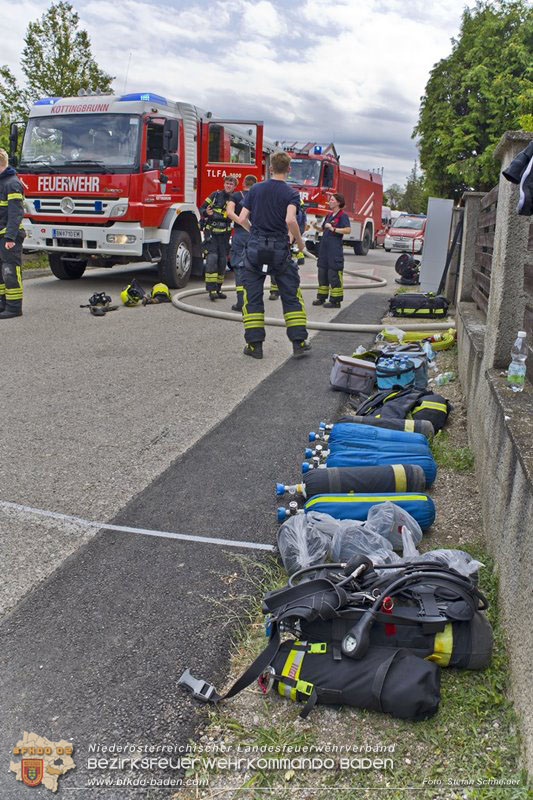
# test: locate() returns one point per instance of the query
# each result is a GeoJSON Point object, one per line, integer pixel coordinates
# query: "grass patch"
{"type": "Point", "coordinates": [37, 260]}
{"type": "Point", "coordinates": [459, 459]}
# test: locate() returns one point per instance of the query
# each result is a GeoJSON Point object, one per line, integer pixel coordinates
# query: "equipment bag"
{"type": "Point", "coordinates": [395, 373]}
{"type": "Point", "coordinates": [357, 506]}
{"type": "Point", "coordinates": [433, 408]}
{"type": "Point", "coordinates": [352, 375]}
{"type": "Point", "coordinates": [386, 478]}
{"type": "Point", "coordinates": [395, 682]}
{"type": "Point", "coordinates": [404, 404]}
{"type": "Point", "coordinates": [407, 425]}
{"type": "Point", "coordinates": [426, 305]}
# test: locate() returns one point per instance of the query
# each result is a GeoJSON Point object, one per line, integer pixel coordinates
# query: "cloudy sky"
{"type": "Point", "coordinates": [348, 71]}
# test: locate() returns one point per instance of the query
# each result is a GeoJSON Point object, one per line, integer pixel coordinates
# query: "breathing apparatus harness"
{"type": "Point", "coordinates": [438, 595]}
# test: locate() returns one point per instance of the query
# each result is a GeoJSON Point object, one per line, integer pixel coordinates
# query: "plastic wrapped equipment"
{"type": "Point", "coordinates": [387, 520]}
{"type": "Point", "coordinates": [302, 545]}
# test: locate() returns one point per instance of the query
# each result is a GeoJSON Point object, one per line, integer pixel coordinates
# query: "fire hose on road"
{"type": "Point", "coordinates": [370, 282]}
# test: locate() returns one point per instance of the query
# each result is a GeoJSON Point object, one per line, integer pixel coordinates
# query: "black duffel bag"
{"type": "Point", "coordinates": [395, 682]}
{"type": "Point", "coordinates": [428, 306]}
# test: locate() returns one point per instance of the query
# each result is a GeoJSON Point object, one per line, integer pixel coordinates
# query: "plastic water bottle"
{"type": "Point", "coordinates": [430, 355]}
{"type": "Point", "coordinates": [516, 374]}
{"type": "Point", "coordinates": [444, 377]}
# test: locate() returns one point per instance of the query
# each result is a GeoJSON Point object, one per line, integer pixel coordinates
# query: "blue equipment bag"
{"type": "Point", "coordinates": [357, 506]}
{"type": "Point", "coordinates": [395, 372]}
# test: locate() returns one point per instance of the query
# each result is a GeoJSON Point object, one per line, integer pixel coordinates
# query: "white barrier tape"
{"type": "Point", "coordinates": [128, 529]}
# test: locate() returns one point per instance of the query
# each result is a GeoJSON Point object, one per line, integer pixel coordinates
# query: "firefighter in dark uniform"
{"type": "Point", "coordinates": [271, 207]}
{"type": "Point", "coordinates": [297, 254]}
{"type": "Point", "coordinates": [331, 255]}
{"type": "Point", "coordinates": [239, 237]}
{"type": "Point", "coordinates": [11, 237]}
{"type": "Point", "coordinates": [217, 227]}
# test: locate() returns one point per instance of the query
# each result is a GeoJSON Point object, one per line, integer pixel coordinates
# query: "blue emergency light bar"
{"type": "Point", "coordinates": [147, 97]}
{"type": "Point", "coordinates": [47, 101]}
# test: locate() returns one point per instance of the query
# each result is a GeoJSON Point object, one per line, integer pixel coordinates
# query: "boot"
{"type": "Point", "coordinates": [2, 303]}
{"type": "Point", "coordinates": [332, 304]}
{"type": "Point", "coordinates": [254, 349]}
{"type": "Point", "coordinates": [273, 295]}
{"type": "Point", "coordinates": [12, 309]}
{"type": "Point", "coordinates": [319, 301]}
{"type": "Point", "coordinates": [213, 296]}
{"type": "Point", "coordinates": [300, 349]}
{"type": "Point", "coordinates": [236, 307]}
{"type": "Point", "coordinates": [221, 294]}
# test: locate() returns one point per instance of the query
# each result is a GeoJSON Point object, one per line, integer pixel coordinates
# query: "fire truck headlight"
{"type": "Point", "coordinates": [119, 210]}
{"type": "Point", "coordinates": [120, 238]}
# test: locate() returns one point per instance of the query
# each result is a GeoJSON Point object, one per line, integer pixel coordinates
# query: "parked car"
{"type": "Point", "coordinates": [406, 233]}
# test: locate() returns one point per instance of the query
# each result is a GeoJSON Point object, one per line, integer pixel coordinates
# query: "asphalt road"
{"type": "Point", "coordinates": [151, 418]}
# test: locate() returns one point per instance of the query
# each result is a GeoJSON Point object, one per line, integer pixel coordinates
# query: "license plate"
{"type": "Point", "coordinates": [66, 233]}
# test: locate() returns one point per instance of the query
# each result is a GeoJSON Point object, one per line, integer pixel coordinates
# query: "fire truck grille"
{"type": "Point", "coordinates": [84, 207]}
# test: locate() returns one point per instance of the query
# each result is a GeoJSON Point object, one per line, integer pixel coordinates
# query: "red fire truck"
{"type": "Point", "coordinates": [114, 179]}
{"type": "Point", "coordinates": [317, 173]}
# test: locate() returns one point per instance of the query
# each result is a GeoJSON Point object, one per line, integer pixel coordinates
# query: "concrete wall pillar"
{"type": "Point", "coordinates": [472, 205]}
{"type": "Point", "coordinates": [507, 297]}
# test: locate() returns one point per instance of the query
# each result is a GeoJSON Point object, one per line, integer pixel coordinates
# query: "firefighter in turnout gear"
{"type": "Point", "coordinates": [239, 237]}
{"type": "Point", "coordinates": [296, 253]}
{"type": "Point", "coordinates": [217, 227]}
{"type": "Point", "coordinates": [271, 208]}
{"type": "Point", "coordinates": [331, 255]}
{"type": "Point", "coordinates": [11, 237]}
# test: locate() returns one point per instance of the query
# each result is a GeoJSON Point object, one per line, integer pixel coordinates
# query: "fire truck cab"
{"type": "Point", "coordinates": [317, 173]}
{"type": "Point", "coordinates": [117, 179]}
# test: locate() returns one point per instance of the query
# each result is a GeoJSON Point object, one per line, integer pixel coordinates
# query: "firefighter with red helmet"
{"type": "Point", "coordinates": [217, 227]}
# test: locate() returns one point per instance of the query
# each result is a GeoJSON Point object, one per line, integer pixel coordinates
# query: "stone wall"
{"type": "Point", "coordinates": [500, 423]}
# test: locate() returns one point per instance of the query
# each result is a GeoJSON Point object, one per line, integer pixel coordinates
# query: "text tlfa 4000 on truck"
{"type": "Point", "coordinates": [116, 179]}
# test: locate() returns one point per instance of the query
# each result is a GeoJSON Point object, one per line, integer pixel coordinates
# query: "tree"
{"type": "Point", "coordinates": [56, 61]}
{"type": "Point", "coordinates": [393, 195]}
{"type": "Point", "coordinates": [482, 89]}
{"type": "Point", "coordinates": [415, 196]}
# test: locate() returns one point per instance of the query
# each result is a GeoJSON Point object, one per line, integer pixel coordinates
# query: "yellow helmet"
{"type": "Point", "coordinates": [161, 289]}
{"type": "Point", "coordinates": [132, 294]}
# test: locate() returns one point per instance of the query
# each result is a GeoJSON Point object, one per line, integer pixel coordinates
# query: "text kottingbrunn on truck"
{"type": "Point", "coordinates": [317, 173]}
{"type": "Point", "coordinates": [114, 179]}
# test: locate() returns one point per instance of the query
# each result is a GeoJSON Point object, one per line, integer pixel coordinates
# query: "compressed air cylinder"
{"type": "Point", "coordinates": [408, 425]}
{"type": "Point", "coordinates": [349, 432]}
{"type": "Point", "coordinates": [385, 478]}
{"type": "Point", "coordinates": [354, 456]}
{"type": "Point", "coordinates": [357, 506]}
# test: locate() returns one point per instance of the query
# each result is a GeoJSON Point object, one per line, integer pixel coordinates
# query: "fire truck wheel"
{"type": "Point", "coordinates": [362, 248]}
{"type": "Point", "coordinates": [64, 269]}
{"type": "Point", "coordinates": [176, 264]}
